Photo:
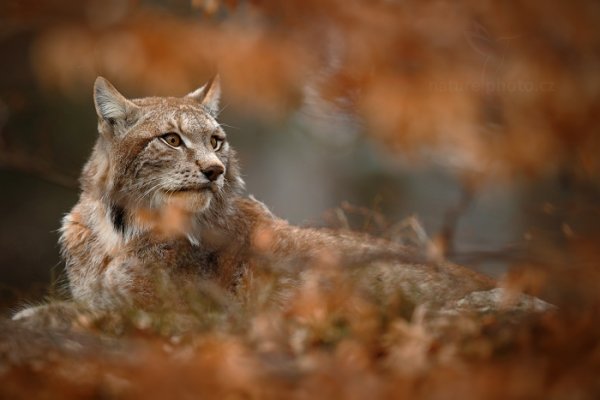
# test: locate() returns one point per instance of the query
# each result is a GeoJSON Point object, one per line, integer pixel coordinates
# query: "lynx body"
{"type": "Point", "coordinates": [161, 202]}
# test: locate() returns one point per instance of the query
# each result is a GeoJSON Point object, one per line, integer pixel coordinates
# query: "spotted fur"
{"type": "Point", "coordinates": [148, 214]}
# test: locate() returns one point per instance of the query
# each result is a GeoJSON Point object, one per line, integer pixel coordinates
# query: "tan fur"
{"type": "Point", "coordinates": [134, 228]}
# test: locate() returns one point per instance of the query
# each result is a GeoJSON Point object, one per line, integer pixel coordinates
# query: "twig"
{"type": "Point", "coordinates": [20, 161]}
{"type": "Point", "coordinates": [509, 253]}
{"type": "Point", "coordinates": [453, 215]}
{"type": "Point", "coordinates": [368, 214]}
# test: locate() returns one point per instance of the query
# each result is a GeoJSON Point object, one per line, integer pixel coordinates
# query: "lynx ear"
{"type": "Point", "coordinates": [111, 106]}
{"type": "Point", "coordinates": [209, 95]}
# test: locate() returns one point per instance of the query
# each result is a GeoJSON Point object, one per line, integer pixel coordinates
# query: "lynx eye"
{"type": "Point", "coordinates": [216, 143]}
{"type": "Point", "coordinates": [172, 139]}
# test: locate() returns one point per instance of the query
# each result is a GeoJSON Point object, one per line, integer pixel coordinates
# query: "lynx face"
{"type": "Point", "coordinates": [183, 156]}
{"type": "Point", "coordinates": [160, 151]}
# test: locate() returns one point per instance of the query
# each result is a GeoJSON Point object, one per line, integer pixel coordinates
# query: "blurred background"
{"type": "Point", "coordinates": [471, 125]}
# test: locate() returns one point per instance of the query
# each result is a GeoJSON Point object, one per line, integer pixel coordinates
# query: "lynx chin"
{"type": "Point", "coordinates": [161, 211]}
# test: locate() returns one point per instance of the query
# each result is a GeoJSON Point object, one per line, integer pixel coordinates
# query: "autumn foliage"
{"type": "Point", "coordinates": [492, 91]}
{"type": "Point", "coordinates": [478, 83]}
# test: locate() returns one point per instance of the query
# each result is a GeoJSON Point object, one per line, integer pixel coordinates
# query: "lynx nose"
{"type": "Point", "coordinates": [213, 172]}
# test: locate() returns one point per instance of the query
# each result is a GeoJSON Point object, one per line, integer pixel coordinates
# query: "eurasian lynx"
{"type": "Point", "coordinates": [161, 201]}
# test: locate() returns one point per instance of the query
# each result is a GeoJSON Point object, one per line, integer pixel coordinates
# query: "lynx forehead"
{"type": "Point", "coordinates": [183, 114]}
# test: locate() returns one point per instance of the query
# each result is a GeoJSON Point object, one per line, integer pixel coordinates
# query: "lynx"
{"type": "Point", "coordinates": [161, 201]}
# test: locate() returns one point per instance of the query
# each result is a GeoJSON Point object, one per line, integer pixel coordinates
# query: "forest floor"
{"type": "Point", "coordinates": [329, 341]}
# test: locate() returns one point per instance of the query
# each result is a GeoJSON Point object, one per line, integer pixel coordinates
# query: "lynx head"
{"type": "Point", "coordinates": [157, 151]}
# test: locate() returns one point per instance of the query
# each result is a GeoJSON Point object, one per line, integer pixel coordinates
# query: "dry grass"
{"type": "Point", "coordinates": [329, 339]}
{"type": "Point", "coordinates": [489, 90]}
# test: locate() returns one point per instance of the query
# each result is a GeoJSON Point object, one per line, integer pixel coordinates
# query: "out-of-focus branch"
{"type": "Point", "coordinates": [453, 215]}
{"type": "Point", "coordinates": [20, 161]}
{"type": "Point", "coordinates": [504, 254]}
{"type": "Point", "coordinates": [370, 216]}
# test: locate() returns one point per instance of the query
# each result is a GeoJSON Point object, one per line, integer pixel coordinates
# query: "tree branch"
{"type": "Point", "coordinates": [453, 215]}
{"type": "Point", "coordinates": [20, 161]}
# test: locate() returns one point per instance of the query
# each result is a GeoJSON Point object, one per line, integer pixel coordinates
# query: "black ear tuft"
{"type": "Point", "coordinates": [209, 95]}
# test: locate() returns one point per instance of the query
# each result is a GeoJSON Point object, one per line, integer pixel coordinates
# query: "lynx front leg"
{"type": "Point", "coordinates": [124, 283]}
{"type": "Point", "coordinates": [62, 315]}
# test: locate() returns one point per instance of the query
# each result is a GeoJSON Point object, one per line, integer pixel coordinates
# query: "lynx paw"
{"type": "Point", "coordinates": [57, 315]}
